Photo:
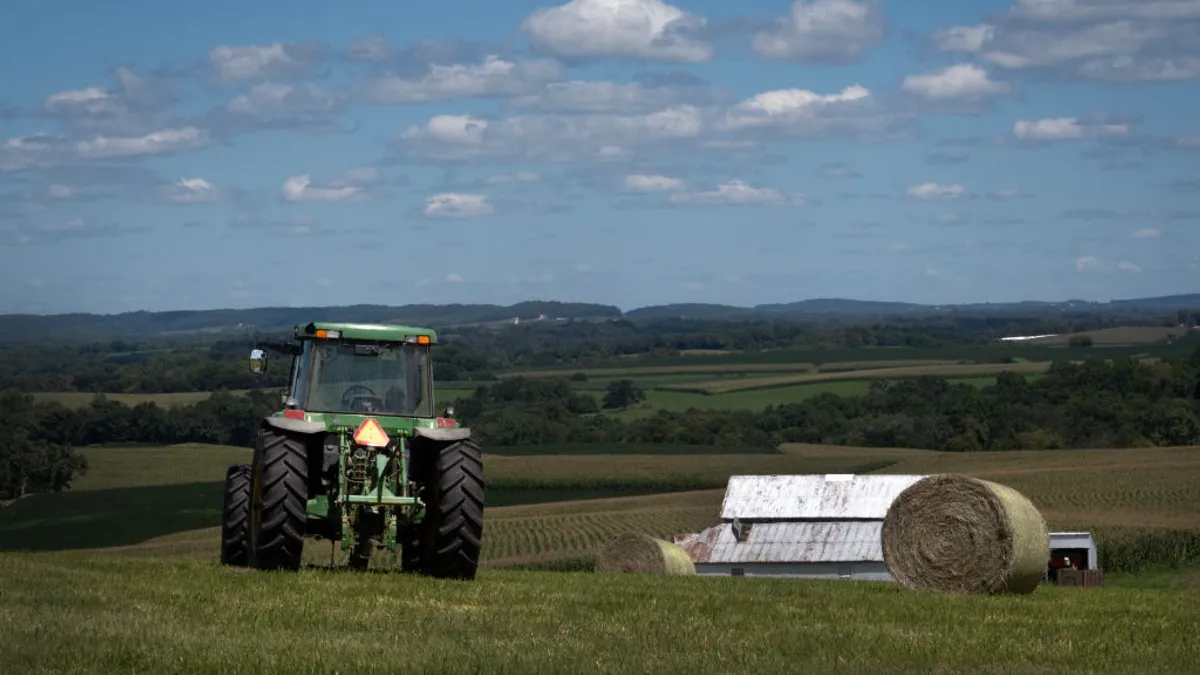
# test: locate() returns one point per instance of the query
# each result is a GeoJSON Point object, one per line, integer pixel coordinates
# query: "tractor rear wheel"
{"type": "Point", "coordinates": [235, 517]}
{"type": "Point", "coordinates": [279, 514]}
{"type": "Point", "coordinates": [452, 530]}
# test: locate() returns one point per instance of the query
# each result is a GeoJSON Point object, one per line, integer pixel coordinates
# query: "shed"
{"type": "Point", "coordinates": [1080, 547]}
{"type": "Point", "coordinates": [802, 526]}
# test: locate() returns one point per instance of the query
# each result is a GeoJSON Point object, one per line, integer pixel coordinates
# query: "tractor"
{"type": "Point", "coordinates": [357, 456]}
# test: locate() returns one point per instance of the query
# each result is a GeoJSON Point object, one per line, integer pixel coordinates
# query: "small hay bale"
{"type": "Point", "coordinates": [959, 534]}
{"type": "Point", "coordinates": [640, 554]}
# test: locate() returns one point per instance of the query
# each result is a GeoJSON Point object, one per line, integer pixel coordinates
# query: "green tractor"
{"type": "Point", "coordinates": [357, 456]}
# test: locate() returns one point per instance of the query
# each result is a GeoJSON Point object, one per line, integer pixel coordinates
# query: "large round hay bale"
{"type": "Point", "coordinates": [640, 554]}
{"type": "Point", "coordinates": [959, 534]}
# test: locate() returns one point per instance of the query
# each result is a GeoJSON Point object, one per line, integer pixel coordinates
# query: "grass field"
{"type": "Point", "coordinates": [759, 398]}
{"type": "Point", "coordinates": [81, 399]}
{"type": "Point", "coordinates": [169, 498]}
{"type": "Point", "coordinates": [945, 370]}
{"type": "Point", "coordinates": [1120, 336]}
{"type": "Point", "coordinates": [99, 613]}
{"type": "Point", "coordinates": [150, 595]}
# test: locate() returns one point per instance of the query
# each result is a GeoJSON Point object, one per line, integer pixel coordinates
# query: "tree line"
{"type": "Point", "coordinates": [1096, 403]}
{"type": "Point", "coordinates": [476, 353]}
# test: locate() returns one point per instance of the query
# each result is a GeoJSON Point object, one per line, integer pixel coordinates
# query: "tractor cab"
{"type": "Point", "coordinates": [358, 370]}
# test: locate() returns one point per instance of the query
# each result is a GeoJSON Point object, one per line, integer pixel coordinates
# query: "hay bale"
{"type": "Point", "coordinates": [959, 534]}
{"type": "Point", "coordinates": [640, 554]}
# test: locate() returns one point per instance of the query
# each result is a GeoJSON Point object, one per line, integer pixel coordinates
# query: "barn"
{"type": "Point", "coordinates": [824, 526]}
{"type": "Point", "coordinates": [804, 526]}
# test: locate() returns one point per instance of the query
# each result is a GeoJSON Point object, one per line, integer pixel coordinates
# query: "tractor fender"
{"type": "Point", "coordinates": [297, 426]}
{"type": "Point", "coordinates": [458, 434]}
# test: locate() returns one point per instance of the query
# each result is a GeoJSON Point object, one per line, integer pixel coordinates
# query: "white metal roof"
{"type": "Point", "coordinates": [818, 496]}
{"type": "Point", "coordinates": [803, 542]}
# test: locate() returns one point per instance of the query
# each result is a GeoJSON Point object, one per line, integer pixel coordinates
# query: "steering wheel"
{"type": "Point", "coordinates": [346, 395]}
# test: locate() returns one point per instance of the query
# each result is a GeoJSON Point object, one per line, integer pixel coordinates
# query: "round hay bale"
{"type": "Point", "coordinates": [640, 554]}
{"type": "Point", "coordinates": [959, 534]}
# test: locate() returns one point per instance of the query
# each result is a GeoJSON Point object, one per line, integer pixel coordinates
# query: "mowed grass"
{"type": "Point", "coordinates": [1111, 492]}
{"type": "Point", "coordinates": [944, 370]}
{"type": "Point", "coordinates": [1121, 335]}
{"type": "Point", "coordinates": [97, 613]}
{"type": "Point", "coordinates": [82, 399]}
{"type": "Point", "coordinates": [759, 399]}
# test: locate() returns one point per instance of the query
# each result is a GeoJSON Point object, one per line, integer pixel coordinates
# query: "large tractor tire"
{"type": "Point", "coordinates": [452, 530]}
{"type": "Point", "coordinates": [235, 516]}
{"type": "Point", "coordinates": [279, 514]}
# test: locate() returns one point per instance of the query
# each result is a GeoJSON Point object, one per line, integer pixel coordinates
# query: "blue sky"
{"type": "Point", "coordinates": [631, 152]}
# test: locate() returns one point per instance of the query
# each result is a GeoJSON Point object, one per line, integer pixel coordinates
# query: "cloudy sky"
{"type": "Point", "coordinates": [632, 152]}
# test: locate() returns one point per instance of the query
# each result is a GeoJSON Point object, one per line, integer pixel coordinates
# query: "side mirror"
{"type": "Point", "coordinates": [258, 361]}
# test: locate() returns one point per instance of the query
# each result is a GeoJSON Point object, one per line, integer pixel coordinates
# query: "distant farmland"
{"type": "Point", "coordinates": [947, 370]}
{"type": "Point", "coordinates": [1123, 335]}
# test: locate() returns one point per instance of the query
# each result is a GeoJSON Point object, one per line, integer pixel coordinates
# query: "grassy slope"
{"type": "Point", "coordinates": [945, 370]}
{"type": "Point", "coordinates": [113, 614]}
{"type": "Point", "coordinates": [177, 509]}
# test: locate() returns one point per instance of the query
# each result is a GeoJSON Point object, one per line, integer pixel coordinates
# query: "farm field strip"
{"type": "Point", "coordinates": [82, 399]}
{"type": "Point", "coordinates": [723, 386]}
{"type": "Point", "coordinates": [757, 399]}
{"type": "Point", "coordinates": [1119, 336]}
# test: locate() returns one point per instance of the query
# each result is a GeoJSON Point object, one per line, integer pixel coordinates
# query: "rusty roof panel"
{"type": "Point", "coordinates": [800, 542]}
{"type": "Point", "coordinates": [817, 496]}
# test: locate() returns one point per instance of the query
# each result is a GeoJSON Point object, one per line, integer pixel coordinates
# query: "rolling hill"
{"type": "Point", "coordinates": [28, 327]}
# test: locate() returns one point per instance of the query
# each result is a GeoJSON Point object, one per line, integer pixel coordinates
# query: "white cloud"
{"type": "Point", "coordinates": [1086, 262]}
{"type": "Point", "coordinates": [652, 183]}
{"type": "Point", "coordinates": [1147, 233]}
{"type": "Point", "coordinates": [275, 98]}
{"type": "Point", "coordinates": [1104, 40]}
{"type": "Point", "coordinates": [800, 113]}
{"type": "Point", "coordinates": [960, 81]}
{"type": "Point", "coordinates": [1190, 141]}
{"type": "Point", "coordinates": [641, 29]}
{"type": "Point", "coordinates": [264, 61]}
{"type": "Point", "coordinates": [1007, 193]}
{"type": "Point", "coordinates": [131, 108]}
{"type": "Point", "coordinates": [61, 192]}
{"type": "Point", "coordinates": [166, 141]}
{"type": "Point", "coordinates": [964, 39]}
{"type": "Point", "coordinates": [546, 137]}
{"type": "Point", "coordinates": [823, 30]}
{"type": "Point", "coordinates": [936, 191]}
{"type": "Point", "coordinates": [454, 278]}
{"type": "Point", "coordinates": [493, 76]}
{"type": "Point", "coordinates": [191, 191]}
{"type": "Point", "coordinates": [1127, 266]}
{"type": "Point", "coordinates": [348, 186]}
{"type": "Point", "coordinates": [1066, 128]}
{"type": "Point", "coordinates": [736, 192]}
{"type": "Point", "coordinates": [597, 97]}
{"type": "Point", "coordinates": [457, 205]}
{"type": "Point", "coordinates": [1105, 10]}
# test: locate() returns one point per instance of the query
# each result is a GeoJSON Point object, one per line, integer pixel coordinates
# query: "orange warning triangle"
{"type": "Point", "coordinates": [370, 434]}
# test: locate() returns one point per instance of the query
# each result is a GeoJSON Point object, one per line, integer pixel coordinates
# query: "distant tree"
{"type": "Point", "coordinates": [1081, 341]}
{"type": "Point", "coordinates": [28, 466]}
{"type": "Point", "coordinates": [622, 394]}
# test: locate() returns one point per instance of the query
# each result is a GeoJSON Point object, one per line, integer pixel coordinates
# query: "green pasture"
{"type": "Point", "coordinates": [77, 612]}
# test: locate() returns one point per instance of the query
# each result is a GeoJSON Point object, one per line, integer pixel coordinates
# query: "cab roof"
{"type": "Point", "coordinates": [367, 331]}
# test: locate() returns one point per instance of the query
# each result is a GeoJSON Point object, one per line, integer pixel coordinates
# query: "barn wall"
{"type": "Point", "coordinates": [866, 571]}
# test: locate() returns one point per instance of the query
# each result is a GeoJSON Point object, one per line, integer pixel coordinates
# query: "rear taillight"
{"type": "Point", "coordinates": [445, 422]}
{"type": "Point", "coordinates": [294, 414]}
